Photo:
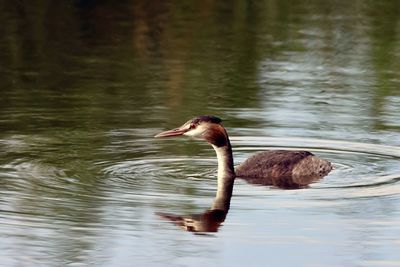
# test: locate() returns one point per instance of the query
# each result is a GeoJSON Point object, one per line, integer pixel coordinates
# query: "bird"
{"type": "Point", "coordinates": [284, 169]}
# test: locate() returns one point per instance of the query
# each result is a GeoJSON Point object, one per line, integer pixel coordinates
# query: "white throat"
{"type": "Point", "coordinates": [226, 176]}
{"type": "Point", "coordinates": [225, 161]}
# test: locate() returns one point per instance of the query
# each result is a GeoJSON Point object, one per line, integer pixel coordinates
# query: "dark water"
{"type": "Point", "coordinates": [85, 85]}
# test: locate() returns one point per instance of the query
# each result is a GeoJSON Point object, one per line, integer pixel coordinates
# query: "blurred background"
{"type": "Point", "coordinates": [85, 85]}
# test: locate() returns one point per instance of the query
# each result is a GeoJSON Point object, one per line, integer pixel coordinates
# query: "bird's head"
{"type": "Point", "coordinates": [203, 127]}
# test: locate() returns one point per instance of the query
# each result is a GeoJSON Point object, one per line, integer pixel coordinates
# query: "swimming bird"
{"type": "Point", "coordinates": [281, 168]}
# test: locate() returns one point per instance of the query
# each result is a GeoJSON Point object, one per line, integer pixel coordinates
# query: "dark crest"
{"type": "Point", "coordinates": [206, 118]}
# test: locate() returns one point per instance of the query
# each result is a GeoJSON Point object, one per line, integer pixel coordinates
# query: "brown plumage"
{"type": "Point", "coordinates": [282, 168]}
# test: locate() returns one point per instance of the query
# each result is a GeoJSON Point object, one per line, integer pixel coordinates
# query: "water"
{"type": "Point", "coordinates": [85, 86]}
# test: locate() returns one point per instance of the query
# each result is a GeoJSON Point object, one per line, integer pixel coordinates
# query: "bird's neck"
{"type": "Point", "coordinates": [226, 176]}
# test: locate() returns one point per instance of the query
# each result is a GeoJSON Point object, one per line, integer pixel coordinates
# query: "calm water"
{"type": "Point", "coordinates": [85, 85]}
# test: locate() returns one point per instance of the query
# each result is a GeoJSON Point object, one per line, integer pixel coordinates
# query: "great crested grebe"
{"type": "Point", "coordinates": [280, 168]}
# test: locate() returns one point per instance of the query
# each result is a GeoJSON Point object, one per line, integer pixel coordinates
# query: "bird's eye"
{"type": "Point", "coordinates": [192, 126]}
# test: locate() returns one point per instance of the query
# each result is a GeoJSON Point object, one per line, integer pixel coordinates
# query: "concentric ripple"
{"type": "Point", "coordinates": [361, 170]}
{"type": "Point", "coordinates": [33, 190]}
{"type": "Point", "coordinates": [174, 178]}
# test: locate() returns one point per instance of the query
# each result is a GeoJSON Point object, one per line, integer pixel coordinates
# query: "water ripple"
{"type": "Point", "coordinates": [362, 170]}
{"type": "Point", "coordinates": [160, 178]}
{"type": "Point", "coordinates": [367, 168]}
{"type": "Point", "coordinates": [34, 189]}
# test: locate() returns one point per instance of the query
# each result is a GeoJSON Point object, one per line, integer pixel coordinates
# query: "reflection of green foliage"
{"type": "Point", "coordinates": [136, 54]}
{"type": "Point", "coordinates": [385, 21]}
{"type": "Point", "coordinates": [90, 64]}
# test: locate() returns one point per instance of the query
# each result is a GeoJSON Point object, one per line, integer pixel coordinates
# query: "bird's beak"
{"type": "Point", "coordinates": [171, 133]}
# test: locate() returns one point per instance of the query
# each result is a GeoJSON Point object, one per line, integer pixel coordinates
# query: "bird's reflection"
{"type": "Point", "coordinates": [208, 221]}
{"type": "Point", "coordinates": [211, 219]}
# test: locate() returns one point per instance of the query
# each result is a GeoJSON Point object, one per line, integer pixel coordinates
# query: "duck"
{"type": "Point", "coordinates": [286, 169]}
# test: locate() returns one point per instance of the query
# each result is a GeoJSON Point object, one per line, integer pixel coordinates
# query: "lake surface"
{"type": "Point", "coordinates": [85, 85]}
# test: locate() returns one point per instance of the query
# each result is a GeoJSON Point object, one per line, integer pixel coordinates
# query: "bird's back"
{"type": "Point", "coordinates": [283, 168]}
